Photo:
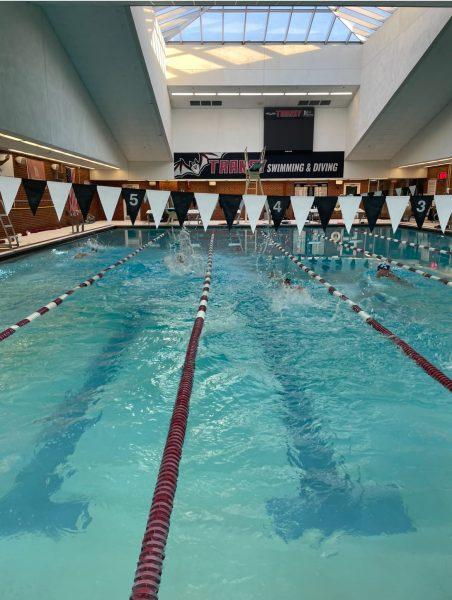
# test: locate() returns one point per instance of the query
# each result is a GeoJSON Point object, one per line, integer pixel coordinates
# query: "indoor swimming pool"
{"type": "Point", "coordinates": [318, 457]}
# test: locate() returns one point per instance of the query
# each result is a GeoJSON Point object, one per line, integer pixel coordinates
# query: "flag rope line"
{"type": "Point", "coordinates": [6, 333]}
{"type": "Point", "coordinates": [443, 280]}
{"type": "Point", "coordinates": [149, 568]}
{"type": "Point", "coordinates": [412, 244]}
{"type": "Point", "coordinates": [420, 360]}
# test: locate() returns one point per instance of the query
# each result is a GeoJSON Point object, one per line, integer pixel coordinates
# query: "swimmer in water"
{"type": "Point", "coordinates": [384, 270]}
{"type": "Point", "coordinates": [83, 254]}
{"type": "Point", "coordinates": [287, 282]}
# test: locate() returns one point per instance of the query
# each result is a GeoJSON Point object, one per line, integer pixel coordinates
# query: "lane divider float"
{"type": "Point", "coordinates": [6, 333]}
{"type": "Point", "coordinates": [410, 268]}
{"type": "Point", "coordinates": [412, 244]}
{"type": "Point", "coordinates": [149, 568]}
{"type": "Point", "coordinates": [420, 360]}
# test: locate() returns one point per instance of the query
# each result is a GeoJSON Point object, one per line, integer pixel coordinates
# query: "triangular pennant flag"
{"type": "Point", "coordinates": [182, 202]}
{"type": "Point", "coordinates": [206, 205]}
{"type": "Point", "coordinates": [412, 189]}
{"type": "Point", "coordinates": [396, 207]}
{"type": "Point", "coordinates": [133, 198]}
{"type": "Point", "coordinates": [379, 193]}
{"type": "Point", "coordinates": [398, 191]}
{"type": "Point", "coordinates": [349, 208]}
{"type": "Point", "coordinates": [254, 203]}
{"type": "Point", "coordinates": [420, 205]}
{"type": "Point", "coordinates": [278, 206]}
{"type": "Point", "coordinates": [373, 207]}
{"type": "Point", "coordinates": [444, 209]}
{"type": "Point", "coordinates": [8, 191]}
{"type": "Point", "coordinates": [157, 201]}
{"type": "Point", "coordinates": [34, 189]}
{"type": "Point", "coordinates": [325, 205]}
{"type": "Point", "coordinates": [230, 205]}
{"type": "Point", "coordinates": [301, 206]}
{"type": "Point", "coordinates": [108, 197]}
{"type": "Point", "coordinates": [84, 194]}
{"type": "Point", "coordinates": [59, 191]}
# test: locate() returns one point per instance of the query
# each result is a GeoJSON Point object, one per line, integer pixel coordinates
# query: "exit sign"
{"type": "Point", "coordinates": [442, 175]}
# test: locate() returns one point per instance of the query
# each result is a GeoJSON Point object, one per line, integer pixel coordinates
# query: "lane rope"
{"type": "Point", "coordinates": [420, 360]}
{"type": "Point", "coordinates": [149, 568]}
{"type": "Point", "coordinates": [9, 331]}
{"type": "Point", "coordinates": [412, 244]}
{"type": "Point", "coordinates": [410, 268]}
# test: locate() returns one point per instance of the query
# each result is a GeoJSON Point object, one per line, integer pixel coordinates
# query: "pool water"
{"type": "Point", "coordinates": [318, 457]}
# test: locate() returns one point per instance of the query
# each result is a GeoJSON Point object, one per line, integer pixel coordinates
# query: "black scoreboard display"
{"type": "Point", "coordinates": [289, 129]}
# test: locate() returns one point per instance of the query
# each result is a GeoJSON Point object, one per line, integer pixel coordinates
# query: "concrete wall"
{"type": "Point", "coordinates": [41, 95]}
{"type": "Point", "coordinates": [433, 142]}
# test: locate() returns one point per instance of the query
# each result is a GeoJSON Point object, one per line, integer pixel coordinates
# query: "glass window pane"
{"type": "Point", "coordinates": [299, 26]}
{"type": "Point", "coordinates": [233, 26]}
{"type": "Point", "coordinates": [320, 26]}
{"type": "Point", "coordinates": [211, 26]}
{"type": "Point", "coordinates": [255, 26]}
{"type": "Point", "coordinates": [339, 33]}
{"type": "Point", "coordinates": [192, 33]}
{"type": "Point", "coordinates": [277, 26]}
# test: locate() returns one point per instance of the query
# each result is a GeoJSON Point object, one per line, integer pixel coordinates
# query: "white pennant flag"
{"type": "Point", "coordinates": [108, 197]}
{"type": "Point", "coordinates": [301, 206]}
{"type": "Point", "coordinates": [157, 201]}
{"type": "Point", "coordinates": [444, 209]}
{"type": "Point", "coordinates": [349, 208]}
{"type": "Point", "coordinates": [59, 191]}
{"type": "Point", "coordinates": [206, 205]}
{"type": "Point", "coordinates": [412, 189]}
{"type": "Point", "coordinates": [396, 207]}
{"type": "Point", "coordinates": [8, 191]}
{"type": "Point", "coordinates": [254, 203]}
{"type": "Point", "coordinates": [398, 191]}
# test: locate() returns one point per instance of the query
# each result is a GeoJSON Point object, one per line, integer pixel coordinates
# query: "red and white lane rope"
{"type": "Point", "coordinates": [412, 244]}
{"type": "Point", "coordinates": [410, 268]}
{"type": "Point", "coordinates": [6, 333]}
{"type": "Point", "coordinates": [427, 366]}
{"type": "Point", "coordinates": [149, 568]}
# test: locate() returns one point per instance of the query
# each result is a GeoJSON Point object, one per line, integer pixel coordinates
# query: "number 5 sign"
{"type": "Point", "coordinates": [133, 199]}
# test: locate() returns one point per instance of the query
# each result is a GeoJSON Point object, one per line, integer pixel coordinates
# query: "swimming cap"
{"type": "Point", "coordinates": [383, 267]}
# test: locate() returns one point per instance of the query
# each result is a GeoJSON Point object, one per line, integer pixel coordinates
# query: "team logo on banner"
{"type": "Point", "coordinates": [34, 189]}
{"type": "Point", "coordinates": [182, 202]}
{"type": "Point", "coordinates": [420, 205]}
{"type": "Point", "coordinates": [230, 206]}
{"type": "Point", "coordinates": [133, 198]}
{"type": "Point", "coordinates": [325, 205]}
{"type": "Point", "coordinates": [84, 194]}
{"type": "Point", "coordinates": [278, 206]}
{"type": "Point", "coordinates": [372, 206]}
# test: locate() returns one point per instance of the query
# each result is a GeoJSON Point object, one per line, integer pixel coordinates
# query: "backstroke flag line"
{"type": "Point", "coordinates": [254, 205]}
{"type": "Point", "coordinates": [301, 206]}
{"type": "Point", "coordinates": [108, 197]}
{"type": "Point", "coordinates": [206, 205]}
{"type": "Point", "coordinates": [158, 200]}
{"type": "Point", "coordinates": [396, 207]}
{"type": "Point", "coordinates": [59, 191]}
{"type": "Point", "coordinates": [349, 208]}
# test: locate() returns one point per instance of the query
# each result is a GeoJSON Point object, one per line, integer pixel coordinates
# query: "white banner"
{"type": "Point", "coordinates": [396, 207]}
{"type": "Point", "coordinates": [59, 192]}
{"type": "Point", "coordinates": [301, 206]}
{"type": "Point", "coordinates": [206, 205]}
{"type": "Point", "coordinates": [444, 209]}
{"type": "Point", "coordinates": [8, 191]}
{"type": "Point", "coordinates": [349, 207]}
{"type": "Point", "coordinates": [108, 197]}
{"type": "Point", "coordinates": [254, 204]}
{"type": "Point", "coordinates": [157, 201]}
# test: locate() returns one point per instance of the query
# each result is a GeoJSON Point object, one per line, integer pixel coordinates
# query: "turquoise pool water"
{"type": "Point", "coordinates": [318, 458]}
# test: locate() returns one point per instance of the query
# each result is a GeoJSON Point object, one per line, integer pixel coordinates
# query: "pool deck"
{"type": "Point", "coordinates": [41, 239]}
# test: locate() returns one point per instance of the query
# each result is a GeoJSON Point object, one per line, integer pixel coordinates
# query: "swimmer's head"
{"type": "Point", "coordinates": [287, 281]}
{"type": "Point", "coordinates": [384, 266]}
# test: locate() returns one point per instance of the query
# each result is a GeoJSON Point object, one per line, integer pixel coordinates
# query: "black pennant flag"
{"type": "Point", "coordinates": [420, 205]}
{"type": "Point", "coordinates": [84, 194]}
{"type": "Point", "coordinates": [325, 205]}
{"type": "Point", "coordinates": [34, 188]}
{"type": "Point", "coordinates": [133, 199]}
{"type": "Point", "coordinates": [182, 202]}
{"type": "Point", "coordinates": [372, 206]}
{"type": "Point", "coordinates": [230, 204]}
{"type": "Point", "coordinates": [278, 206]}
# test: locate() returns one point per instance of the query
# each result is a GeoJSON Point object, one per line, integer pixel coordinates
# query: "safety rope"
{"type": "Point", "coordinates": [412, 269]}
{"type": "Point", "coordinates": [412, 244]}
{"type": "Point", "coordinates": [6, 333]}
{"type": "Point", "coordinates": [430, 369]}
{"type": "Point", "coordinates": [149, 568]}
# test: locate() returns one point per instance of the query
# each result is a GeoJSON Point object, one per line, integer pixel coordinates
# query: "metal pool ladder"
{"type": "Point", "coordinates": [7, 228]}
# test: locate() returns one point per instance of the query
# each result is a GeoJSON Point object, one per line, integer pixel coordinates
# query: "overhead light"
{"type": "Point", "coordinates": [341, 93]}
{"type": "Point", "coordinates": [212, 183]}
{"type": "Point", "coordinates": [22, 141]}
{"type": "Point", "coordinates": [227, 93]}
{"type": "Point", "coordinates": [251, 93]}
{"type": "Point", "coordinates": [296, 94]}
{"type": "Point", "coordinates": [152, 183]}
{"type": "Point", "coordinates": [45, 158]}
{"type": "Point", "coordinates": [205, 93]}
{"type": "Point", "coordinates": [318, 93]}
{"type": "Point", "coordinates": [182, 94]}
{"type": "Point", "coordinates": [438, 162]}
{"type": "Point", "coordinates": [273, 94]}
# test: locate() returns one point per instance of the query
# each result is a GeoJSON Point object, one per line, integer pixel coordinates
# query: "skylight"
{"type": "Point", "coordinates": [270, 24]}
